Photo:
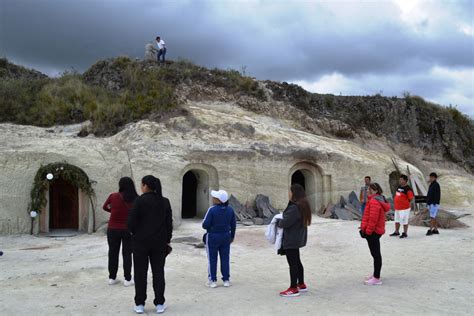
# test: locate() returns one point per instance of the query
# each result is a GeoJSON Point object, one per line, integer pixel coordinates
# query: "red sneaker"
{"type": "Point", "coordinates": [302, 287]}
{"type": "Point", "coordinates": [290, 292]}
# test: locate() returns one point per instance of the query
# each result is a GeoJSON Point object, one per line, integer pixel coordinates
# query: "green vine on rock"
{"type": "Point", "coordinates": [59, 170]}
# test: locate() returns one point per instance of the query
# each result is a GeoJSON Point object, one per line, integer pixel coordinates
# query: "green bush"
{"type": "Point", "coordinates": [68, 99]}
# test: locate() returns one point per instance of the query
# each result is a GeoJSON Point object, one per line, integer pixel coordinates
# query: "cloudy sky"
{"type": "Point", "coordinates": [341, 47]}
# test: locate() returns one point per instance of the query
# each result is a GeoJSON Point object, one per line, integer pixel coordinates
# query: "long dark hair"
{"type": "Point", "coordinates": [299, 198]}
{"type": "Point", "coordinates": [153, 184]}
{"type": "Point", "coordinates": [158, 189]}
{"type": "Point", "coordinates": [127, 188]}
{"type": "Point", "coordinates": [150, 182]}
{"type": "Point", "coordinates": [376, 187]}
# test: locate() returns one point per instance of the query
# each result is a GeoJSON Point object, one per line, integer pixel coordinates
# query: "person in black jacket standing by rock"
{"type": "Point", "coordinates": [151, 223]}
{"type": "Point", "coordinates": [432, 200]}
{"type": "Point", "coordinates": [295, 222]}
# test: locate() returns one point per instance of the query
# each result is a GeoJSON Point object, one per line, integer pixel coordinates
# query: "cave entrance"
{"type": "Point", "coordinates": [393, 179]}
{"type": "Point", "coordinates": [195, 194]}
{"type": "Point", "coordinates": [298, 177]}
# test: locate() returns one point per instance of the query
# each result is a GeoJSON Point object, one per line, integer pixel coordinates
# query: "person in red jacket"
{"type": "Point", "coordinates": [373, 227]}
{"type": "Point", "coordinates": [402, 204]}
{"type": "Point", "coordinates": [118, 204]}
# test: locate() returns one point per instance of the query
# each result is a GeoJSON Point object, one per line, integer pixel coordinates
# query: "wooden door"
{"type": "Point", "coordinates": [64, 205]}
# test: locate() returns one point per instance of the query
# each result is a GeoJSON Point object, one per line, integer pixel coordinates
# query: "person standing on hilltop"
{"type": "Point", "coordinates": [373, 227]}
{"type": "Point", "coordinates": [363, 194]}
{"type": "Point", "coordinates": [402, 203]}
{"type": "Point", "coordinates": [432, 200]}
{"type": "Point", "coordinates": [118, 205]}
{"type": "Point", "coordinates": [161, 49]}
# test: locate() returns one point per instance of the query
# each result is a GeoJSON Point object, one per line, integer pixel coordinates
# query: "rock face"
{"type": "Point", "coordinates": [150, 52]}
{"type": "Point", "coordinates": [409, 120]}
{"type": "Point", "coordinates": [242, 152]}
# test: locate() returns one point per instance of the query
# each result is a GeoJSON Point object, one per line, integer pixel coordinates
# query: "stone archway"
{"type": "Point", "coordinates": [309, 175]}
{"type": "Point", "coordinates": [197, 181]}
{"type": "Point", "coordinates": [63, 195]}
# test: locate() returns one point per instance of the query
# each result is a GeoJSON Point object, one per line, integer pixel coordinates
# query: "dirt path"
{"type": "Point", "coordinates": [422, 275]}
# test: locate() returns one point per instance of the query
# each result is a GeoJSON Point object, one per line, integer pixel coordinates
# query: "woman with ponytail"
{"type": "Point", "coordinates": [295, 222]}
{"type": "Point", "coordinates": [118, 205]}
{"type": "Point", "coordinates": [151, 224]}
{"type": "Point", "coordinates": [373, 227]}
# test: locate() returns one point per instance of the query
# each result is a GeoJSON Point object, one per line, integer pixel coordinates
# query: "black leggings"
{"type": "Point", "coordinates": [296, 267]}
{"type": "Point", "coordinates": [374, 246]}
{"type": "Point", "coordinates": [115, 237]}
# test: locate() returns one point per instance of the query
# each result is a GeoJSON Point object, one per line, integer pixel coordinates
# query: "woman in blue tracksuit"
{"type": "Point", "coordinates": [220, 224]}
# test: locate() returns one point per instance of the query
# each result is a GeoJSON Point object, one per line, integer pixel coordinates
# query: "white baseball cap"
{"type": "Point", "coordinates": [221, 195]}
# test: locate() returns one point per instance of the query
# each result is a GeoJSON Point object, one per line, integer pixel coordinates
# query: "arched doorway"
{"type": "Point", "coordinates": [310, 177]}
{"type": "Point", "coordinates": [298, 177]}
{"type": "Point", "coordinates": [189, 196]}
{"type": "Point", "coordinates": [63, 206]}
{"type": "Point", "coordinates": [197, 181]}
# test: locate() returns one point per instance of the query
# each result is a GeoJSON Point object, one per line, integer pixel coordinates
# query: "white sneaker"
{"type": "Point", "coordinates": [226, 283]}
{"type": "Point", "coordinates": [211, 284]}
{"type": "Point", "coordinates": [113, 281]}
{"type": "Point", "coordinates": [139, 309]}
{"type": "Point", "coordinates": [128, 283]}
{"type": "Point", "coordinates": [160, 309]}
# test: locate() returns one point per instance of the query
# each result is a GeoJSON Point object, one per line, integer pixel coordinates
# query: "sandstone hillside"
{"type": "Point", "coordinates": [115, 92]}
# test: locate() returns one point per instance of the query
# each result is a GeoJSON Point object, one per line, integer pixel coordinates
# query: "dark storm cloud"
{"type": "Point", "coordinates": [63, 34]}
{"type": "Point", "coordinates": [278, 40]}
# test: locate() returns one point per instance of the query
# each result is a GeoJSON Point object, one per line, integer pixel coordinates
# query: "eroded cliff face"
{"type": "Point", "coordinates": [440, 133]}
{"type": "Point", "coordinates": [223, 144]}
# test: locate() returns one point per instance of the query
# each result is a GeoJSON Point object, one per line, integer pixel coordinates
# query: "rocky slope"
{"type": "Point", "coordinates": [438, 131]}
{"type": "Point", "coordinates": [12, 71]}
{"type": "Point", "coordinates": [117, 91]}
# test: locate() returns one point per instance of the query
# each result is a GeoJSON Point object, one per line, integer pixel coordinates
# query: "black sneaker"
{"type": "Point", "coordinates": [429, 232]}
{"type": "Point", "coordinates": [435, 231]}
{"type": "Point", "coordinates": [404, 235]}
{"type": "Point", "coordinates": [395, 234]}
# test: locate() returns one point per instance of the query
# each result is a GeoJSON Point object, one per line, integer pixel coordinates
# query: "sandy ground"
{"type": "Point", "coordinates": [422, 275]}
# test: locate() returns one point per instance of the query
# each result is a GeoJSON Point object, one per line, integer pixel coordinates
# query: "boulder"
{"type": "Point", "coordinates": [258, 221]}
{"type": "Point", "coordinates": [354, 200]}
{"type": "Point", "coordinates": [342, 202]}
{"type": "Point", "coordinates": [241, 212]}
{"type": "Point", "coordinates": [265, 210]}
{"type": "Point", "coordinates": [342, 213]}
{"type": "Point", "coordinates": [328, 211]}
{"type": "Point", "coordinates": [445, 219]}
{"type": "Point", "coordinates": [247, 222]}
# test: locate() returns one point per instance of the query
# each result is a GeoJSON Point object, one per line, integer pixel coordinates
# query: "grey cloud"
{"type": "Point", "coordinates": [281, 42]}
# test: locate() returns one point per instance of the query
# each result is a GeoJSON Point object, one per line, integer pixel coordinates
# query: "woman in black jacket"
{"type": "Point", "coordinates": [151, 223]}
{"type": "Point", "coordinates": [295, 222]}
